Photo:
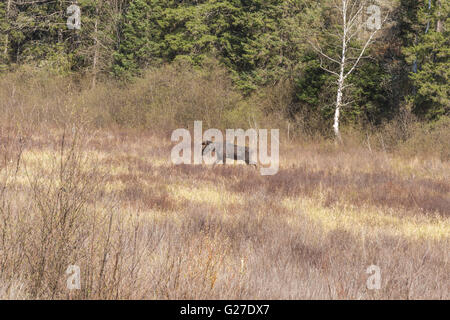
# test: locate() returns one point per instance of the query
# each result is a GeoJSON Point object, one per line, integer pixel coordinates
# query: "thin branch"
{"type": "Point", "coordinates": [347, 103]}
{"type": "Point", "coordinates": [360, 56]}
{"type": "Point", "coordinates": [330, 71]}
{"type": "Point", "coordinates": [318, 50]}
{"type": "Point", "coordinates": [369, 41]}
{"type": "Point", "coordinates": [357, 30]}
{"type": "Point", "coordinates": [353, 19]}
{"type": "Point", "coordinates": [353, 7]}
{"type": "Point", "coordinates": [355, 58]}
{"type": "Point", "coordinates": [24, 3]}
{"type": "Point", "coordinates": [347, 86]}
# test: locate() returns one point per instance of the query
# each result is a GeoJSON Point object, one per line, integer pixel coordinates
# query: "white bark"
{"type": "Point", "coordinates": [351, 12]}
{"type": "Point", "coordinates": [8, 8]}
{"type": "Point", "coordinates": [341, 79]}
{"type": "Point", "coordinates": [337, 111]}
{"type": "Point", "coordinates": [439, 24]}
{"type": "Point", "coordinates": [96, 48]}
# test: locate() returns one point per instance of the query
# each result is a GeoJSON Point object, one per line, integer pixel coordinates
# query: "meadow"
{"type": "Point", "coordinates": [77, 190]}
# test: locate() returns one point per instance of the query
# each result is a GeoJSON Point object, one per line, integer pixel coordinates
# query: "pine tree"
{"type": "Point", "coordinates": [36, 34]}
{"type": "Point", "coordinates": [4, 34]}
{"type": "Point", "coordinates": [93, 46]}
{"type": "Point", "coordinates": [430, 52]}
{"type": "Point", "coordinates": [142, 35]}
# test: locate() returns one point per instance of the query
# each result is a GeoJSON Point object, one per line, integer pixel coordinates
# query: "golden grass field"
{"type": "Point", "coordinates": [139, 227]}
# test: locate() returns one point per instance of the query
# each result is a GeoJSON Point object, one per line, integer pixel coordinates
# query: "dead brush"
{"type": "Point", "coordinates": [61, 190]}
{"type": "Point", "coordinates": [11, 149]}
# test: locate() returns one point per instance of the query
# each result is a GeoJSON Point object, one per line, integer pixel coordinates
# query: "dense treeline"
{"type": "Point", "coordinates": [261, 43]}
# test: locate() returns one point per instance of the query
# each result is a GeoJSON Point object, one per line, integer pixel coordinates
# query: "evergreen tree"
{"type": "Point", "coordinates": [141, 37]}
{"type": "Point", "coordinates": [430, 52]}
{"type": "Point", "coordinates": [259, 41]}
{"type": "Point", "coordinates": [92, 47]}
{"type": "Point", "coordinates": [4, 35]}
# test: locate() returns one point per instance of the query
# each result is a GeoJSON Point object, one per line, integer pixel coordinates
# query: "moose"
{"type": "Point", "coordinates": [232, 151]}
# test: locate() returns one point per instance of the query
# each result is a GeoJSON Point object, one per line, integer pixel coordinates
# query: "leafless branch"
{"type": "Point", "coordinates": [328, 70]}
{"type": "Point", "coordinates": [368, 42]}
{"type": "Point", "coordinates": [319, 50]}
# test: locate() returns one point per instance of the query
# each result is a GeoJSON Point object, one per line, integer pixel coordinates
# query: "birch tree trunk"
{"type": "Point", "coordinates": [341, 79]}
{"type": "Point", "coordinates": [8, 8]}
{"type": "Point", "coordinates": [96, 45]}
{"type": "Point", "coordinates": [351, 26]}
{"type": "Point", "coordinates": [439, 24]}
{"type": "Point", "coordinates": [95, 60]}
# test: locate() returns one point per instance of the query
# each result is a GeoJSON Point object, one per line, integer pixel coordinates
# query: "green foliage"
{"type": "Point", "coordinates": [4, 31]}
{"type": "Point", "coordinates": [370, 94]}
{"type": "Point", "coordinates": [33, 31]}
{"type": "Point", "coordinates": [311, 89]}
{"type": "Point", "coordinates": [36, 33]}
{"type": "Point", "coordinates": [141, 37]}
{"type": "Point", "coordinates": [261, 44]}
{"type": "Point", "coordinates": [430, 52]}
{"type": "Point", "coordinates": [367, 88]}
{"type": "Point", "coordinates": [257, 40]}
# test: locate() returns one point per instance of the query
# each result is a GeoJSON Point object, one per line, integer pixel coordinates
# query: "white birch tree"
{"type": "Point", "coordinates": [8, 9]}
{"type": "Point", "coordinates": [357, 19]}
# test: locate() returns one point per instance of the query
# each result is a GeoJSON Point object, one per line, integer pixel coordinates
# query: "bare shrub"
{"type": "Point", "coordinates": [110, 201]}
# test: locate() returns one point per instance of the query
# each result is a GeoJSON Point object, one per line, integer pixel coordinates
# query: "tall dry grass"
{"type": "Point", "coordinates": [174, 96]}
{"type": "Point", "coordinates": [86, 180]}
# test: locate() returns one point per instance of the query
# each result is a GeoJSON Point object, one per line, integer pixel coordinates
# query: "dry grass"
{"type": "Point", "coordinates": [106, 197]}
{"type": "Point", "coordinates": [140, 227]}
